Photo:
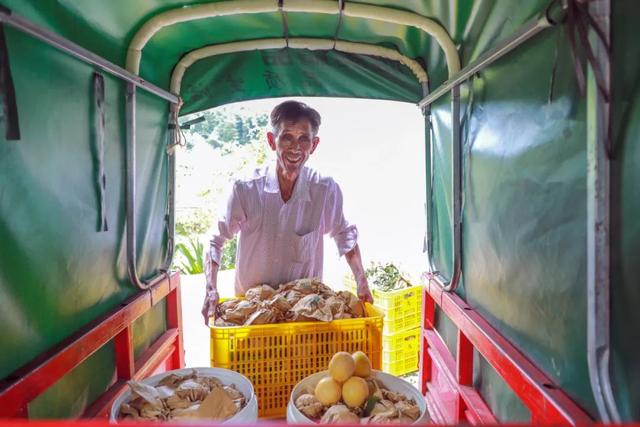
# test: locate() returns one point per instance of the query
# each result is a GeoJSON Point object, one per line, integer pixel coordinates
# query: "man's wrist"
{"type": "Point", "coordinates": [212, 284]}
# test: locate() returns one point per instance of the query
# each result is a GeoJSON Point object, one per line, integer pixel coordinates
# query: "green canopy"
{"type": "Point", "coordinates": [107, 28]}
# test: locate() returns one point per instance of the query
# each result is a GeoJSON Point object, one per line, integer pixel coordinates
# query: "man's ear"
{"type": "Point", "coordinates": [271, 139]}
{"type": "Point", "coordinates": [314, 143]}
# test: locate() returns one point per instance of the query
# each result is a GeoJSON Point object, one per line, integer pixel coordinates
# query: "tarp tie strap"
{"type": "Point", "coordinates": [554, 70]}
{"type": "Point", "coordinates": [176, 136]}
{"type": "Point", "coordinates": [335, 36]}
{"type": "Point", "coordinates": [285, 24]}
{"type": "Point", "coordinates": [99, 123]}
{"type": "Point", "coordinates": [579, 21]}
{"type": "Point", "coordinates": [7, 91]}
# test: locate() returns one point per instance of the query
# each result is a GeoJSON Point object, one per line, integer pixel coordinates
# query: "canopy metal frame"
{"type": "Point", "coordinates": [238, 7]}
{"type": "Point", "coordinates": [293, 43]}
{"type": "Point", "coordinates": [208, 10]}
{"type": "Point", "coordinates": [133, 82]}
{"type": "Point", "coordinates": [599, 219]}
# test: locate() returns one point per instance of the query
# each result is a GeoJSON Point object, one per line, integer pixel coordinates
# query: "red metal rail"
{"type": "Point", "coordinates": [447, 383]}
{"type": "Point", "coordinates": [31, 380]}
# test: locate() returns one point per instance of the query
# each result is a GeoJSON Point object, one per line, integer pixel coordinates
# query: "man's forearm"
{"type": "Point", "coordinates": [354, 259]}
{"type": "Point", "coordinates": [211, 273]}
{"type": "Point", "coordinates": [211, 296]}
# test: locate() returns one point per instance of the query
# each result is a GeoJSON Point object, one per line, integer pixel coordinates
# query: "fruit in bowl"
{"type": "Point", "coordinates": [351, 392]}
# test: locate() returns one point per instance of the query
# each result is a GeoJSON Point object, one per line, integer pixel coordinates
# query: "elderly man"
{"type": "Point", "coordinates": [282, 214]}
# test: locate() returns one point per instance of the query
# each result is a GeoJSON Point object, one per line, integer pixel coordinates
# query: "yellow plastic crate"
{"type": "Point", "coordinates": [276, 357]}
{"type": "Point", "coordinates": [402, 308]}
{"type": "Point", "coordinates": [400, 352]}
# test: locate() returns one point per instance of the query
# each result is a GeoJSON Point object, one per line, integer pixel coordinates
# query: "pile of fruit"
{"type": "Point", "coordinates": [351, 394]}
{"type": "Point", "coordinates": [304, 300]}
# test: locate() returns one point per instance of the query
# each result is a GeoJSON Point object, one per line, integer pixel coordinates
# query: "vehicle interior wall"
{"type": "Point", "coordinates": [524, 209]}
{"type": "Point", "coordinates": [524, 205]}
{"type": "Point", "coordinates": [58, 272]}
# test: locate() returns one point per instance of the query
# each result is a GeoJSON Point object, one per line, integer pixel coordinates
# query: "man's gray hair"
{"type": "Point", "coordinates": [294, 111]}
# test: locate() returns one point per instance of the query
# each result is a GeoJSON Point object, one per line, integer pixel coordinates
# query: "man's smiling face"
{"type": "Point", "coordinates": [293, 143]}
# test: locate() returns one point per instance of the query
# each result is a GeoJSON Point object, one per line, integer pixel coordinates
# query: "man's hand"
{"type": "Point", "coordinates": [364, 293]}
{"type": "Point", "coordinates": [211, 299]}
{"type": "Point", "coordinates": [354, 259]}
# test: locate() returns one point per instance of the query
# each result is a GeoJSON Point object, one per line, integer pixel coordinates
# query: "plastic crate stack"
{"type": "Point", "coordinates": [401, 332]}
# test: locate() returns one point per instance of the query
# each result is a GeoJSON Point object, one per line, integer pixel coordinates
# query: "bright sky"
{"type": "Point", "coordinates": [375, 151]}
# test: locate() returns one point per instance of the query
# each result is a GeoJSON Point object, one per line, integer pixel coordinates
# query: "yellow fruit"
{"type": "Point", "coordinates": [355, 392]}
{"type": "Point", "coordinates": [341, 366]}
{"type": "Point", "coordinates": [328, 391]}
{"type": "Point", "coordinates": [363, 366]}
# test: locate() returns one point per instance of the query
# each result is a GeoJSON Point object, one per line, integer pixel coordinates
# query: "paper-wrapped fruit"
{"type": "Point", "coordinates": [302, 300]}
{"type": "Point", "coordinates": [180, 397]}
{"type": "Point", "coordinates": [351, 392]}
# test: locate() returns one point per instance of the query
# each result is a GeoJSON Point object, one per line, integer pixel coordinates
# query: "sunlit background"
{"type": "Point", "coordinates": [373, 149]}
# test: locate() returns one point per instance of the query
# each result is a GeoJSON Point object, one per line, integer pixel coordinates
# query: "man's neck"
{"type": "Point", "coordinates": [286, 182]}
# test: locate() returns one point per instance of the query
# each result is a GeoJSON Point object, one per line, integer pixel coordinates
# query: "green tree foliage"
{"type": "Point", "coordinates": [227, 130]}
{"type": "Point", "coordinates": [195, 222]}
{"type": "Point", "coordinates": [238, 139]}
{"type": "Point", "coordinates": [228, 260]}
{"type": "Point", "coordinates": [386, 277]}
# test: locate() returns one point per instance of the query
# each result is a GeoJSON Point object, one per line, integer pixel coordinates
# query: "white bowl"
{"type": "Point", "coordinates": [248, 414]}
{"type": "Point", "coordinates": [392, 383]}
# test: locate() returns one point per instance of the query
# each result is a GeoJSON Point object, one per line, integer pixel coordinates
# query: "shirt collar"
{"type": "Point", "coordinates": [271, 184]}
{"type": "Point", "coordinates": [301, 189]}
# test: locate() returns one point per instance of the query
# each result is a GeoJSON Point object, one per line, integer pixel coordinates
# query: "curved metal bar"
{"type": "Point", "coordinates": [527, 31]}
{"type": "Point", "coordinates": [428, 244]}
{"type": "Point", "coordinates": [295, 43]}
{"type": "Point", "coordinates": [131, 199]}
{"type": "Point", "coordinates": [456, 185]}
{"type": "Point", "coordinates": [599, 222]}
{"type": "Point", "coordinates": [226, 8]}
{"type": "Point", "coordinates": [131, 187]}
{"type": "Point", "coordinates": [171, 190]}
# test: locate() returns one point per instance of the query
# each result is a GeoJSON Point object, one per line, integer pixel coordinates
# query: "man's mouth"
{"type": "Point", "coordinates": [293, 158]}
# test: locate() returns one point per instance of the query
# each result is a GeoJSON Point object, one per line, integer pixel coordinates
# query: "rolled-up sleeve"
{"type": "Point", "coordinates": [344, 233]}
{"type": "Point", "coordinates": [229, 223]}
